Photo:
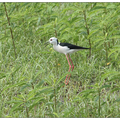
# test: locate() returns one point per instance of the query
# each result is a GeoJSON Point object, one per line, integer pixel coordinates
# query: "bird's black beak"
{"type": "Point", "coordinates": [46, 43]}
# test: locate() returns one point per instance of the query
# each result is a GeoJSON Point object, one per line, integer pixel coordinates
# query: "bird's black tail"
{"type": "Point", "coordinates": [83, 48]}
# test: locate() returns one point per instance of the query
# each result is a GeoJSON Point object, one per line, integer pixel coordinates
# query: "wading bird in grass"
{"type": "Point", "coordinates": [66, 48]}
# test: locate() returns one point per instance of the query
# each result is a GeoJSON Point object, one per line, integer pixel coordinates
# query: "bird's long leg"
{"type": "Point", "coordinates": [66, 82]}
{"type": "Point", "coordinates": [72, 65]}
{"type": "Point", "coordinates": [71, 62]}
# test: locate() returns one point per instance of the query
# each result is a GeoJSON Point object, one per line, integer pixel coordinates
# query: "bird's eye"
{"type": "Point", "coordinates": [50, 39]}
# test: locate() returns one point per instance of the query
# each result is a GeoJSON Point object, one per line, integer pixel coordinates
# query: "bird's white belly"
{"type": "Point", "coordinates": [63, 49]}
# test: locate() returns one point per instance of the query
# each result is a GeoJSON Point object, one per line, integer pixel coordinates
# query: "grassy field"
{"type": "Point", "coordinates": [32, 74]}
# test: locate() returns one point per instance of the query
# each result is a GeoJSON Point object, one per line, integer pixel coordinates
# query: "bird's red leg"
{"type": "Point", "coordinates": [72, 65]}
{"type": "Point", "coordinates": [66, 82]}
{"type": "Point", "coordinates": [71, 62]}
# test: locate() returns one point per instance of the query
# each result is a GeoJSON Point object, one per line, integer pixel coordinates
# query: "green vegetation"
{"type": "Point", "coordinates": [32, 76]}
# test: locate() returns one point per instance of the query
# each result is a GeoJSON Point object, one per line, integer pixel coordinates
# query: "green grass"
{"type": "Point", "coordinates": [32, 83]}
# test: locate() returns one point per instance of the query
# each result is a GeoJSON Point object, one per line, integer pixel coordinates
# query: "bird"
{"type": "Point", "coordinates": [65, 48]}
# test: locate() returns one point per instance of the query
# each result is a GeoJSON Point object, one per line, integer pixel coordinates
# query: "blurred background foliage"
{"type": "Point", "coordinates": [32, 75]}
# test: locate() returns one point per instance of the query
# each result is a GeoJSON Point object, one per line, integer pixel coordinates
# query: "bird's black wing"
{"type": "Point", "coordinates": [71, 46]}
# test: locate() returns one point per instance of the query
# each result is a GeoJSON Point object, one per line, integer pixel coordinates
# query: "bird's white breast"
{"type": "Point", "coordinates": [63, 49]}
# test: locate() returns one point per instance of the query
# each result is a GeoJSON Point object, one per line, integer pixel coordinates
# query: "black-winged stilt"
{"type": "Point", "coordinates": [65, 48]}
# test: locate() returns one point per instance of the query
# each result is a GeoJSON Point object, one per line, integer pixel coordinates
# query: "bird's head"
{"type": "Point", "coordinates": [53, 41]}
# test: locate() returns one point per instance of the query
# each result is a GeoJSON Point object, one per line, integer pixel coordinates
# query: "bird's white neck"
{"type": "Point", "coordinates": [55, 44]}
{"type": "Point", "coordinates": [56, 47]}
